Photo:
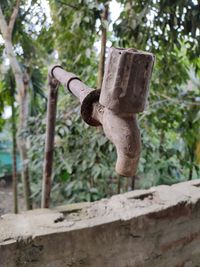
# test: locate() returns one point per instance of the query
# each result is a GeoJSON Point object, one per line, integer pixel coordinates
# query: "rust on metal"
{"type": "Point", "coordinates": [124, 93]}
{"type": "Point", "coordinates": [49, 142]}
{"type": "Point", "coordinates": [87, 108]}
{"type": "Point", "coordinates": [126, 81]}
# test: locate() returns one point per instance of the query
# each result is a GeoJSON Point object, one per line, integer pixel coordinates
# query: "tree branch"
{"type": "Point", "coordinates": [69, 5]}
{"type": "Point", "coordinates": [3, 24]}
{"type": "Point", "coordinates": [13, 18]}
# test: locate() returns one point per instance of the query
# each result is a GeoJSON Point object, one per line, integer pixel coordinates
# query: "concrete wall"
{"type": "Point", "coordinates": [159, 227]}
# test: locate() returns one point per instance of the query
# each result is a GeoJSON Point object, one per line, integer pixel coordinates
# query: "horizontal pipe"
{"type": "Point", "coordinates": [77, 87]}
{"type": "Point", "coordinates": [72, 83]}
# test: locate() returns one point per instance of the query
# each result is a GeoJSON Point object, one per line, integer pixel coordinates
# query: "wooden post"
{"type": "Point", "coordinates": [14, 153]}
{"type": "Point", "coordinates": [133, 182]}
{"type": "Point", "coordinates": [49, 142]}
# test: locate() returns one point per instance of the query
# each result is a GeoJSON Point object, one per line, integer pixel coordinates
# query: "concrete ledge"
{"type": "Point", "coordinates": [159, 227]}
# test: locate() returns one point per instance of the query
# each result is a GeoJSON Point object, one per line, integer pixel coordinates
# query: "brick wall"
{"type": "Point", "coordinates": [159, 227]}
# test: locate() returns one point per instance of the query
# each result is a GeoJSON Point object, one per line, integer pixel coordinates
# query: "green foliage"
{"type": "Point", "coordinates": [74, 36]}
{"type": "Point", "coordinates": [84, 159]}
{"type": "Point", "coordinates": [6, 87]}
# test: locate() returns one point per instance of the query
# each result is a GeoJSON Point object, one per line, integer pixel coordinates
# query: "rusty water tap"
{"type": "Point", "coordinates": [124, 93]}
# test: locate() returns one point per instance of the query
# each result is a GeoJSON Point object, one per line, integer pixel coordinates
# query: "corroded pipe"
{"type": "Point", "coordinates": [124, 93]}
{"type": "Point", "coordinates": [49, 141]}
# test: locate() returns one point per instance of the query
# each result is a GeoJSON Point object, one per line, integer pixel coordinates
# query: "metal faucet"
{"type": "Point", "coordinates": [123, 94]}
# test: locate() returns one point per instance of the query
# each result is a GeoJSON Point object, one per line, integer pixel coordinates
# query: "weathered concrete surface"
{"type": "Point", "coordinates": [159, 227]}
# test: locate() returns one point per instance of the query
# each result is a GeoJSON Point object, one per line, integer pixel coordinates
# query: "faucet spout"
{"type": "Point", "coordinates": [123, 132]}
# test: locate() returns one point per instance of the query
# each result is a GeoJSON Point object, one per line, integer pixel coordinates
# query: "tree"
{"type": "Point", "coordinates": [7, 98]}
{"type": "Point", "coordinates": [29, 52]}
{"type": "Point", "coordinates": [22, 80]}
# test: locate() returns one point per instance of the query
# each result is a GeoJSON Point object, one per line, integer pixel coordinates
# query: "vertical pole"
{"type": "Point", "coordinates": [14, 154]}
{"type": "Point", "coordinates": [118, 185]}
{"type": "Point", "coordinates": [49, 142]}
{"type": "Point", "coordinates": [133, 182]}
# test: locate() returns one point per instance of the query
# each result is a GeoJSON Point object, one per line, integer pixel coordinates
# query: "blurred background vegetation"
{"type": "Point", "coordinates": [70, 32]}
